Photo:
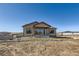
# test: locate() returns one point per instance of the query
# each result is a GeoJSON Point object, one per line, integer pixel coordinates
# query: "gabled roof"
{"type": "Point", "coordinates": [30, 23]}
{"type": "Point", "coordinates": [43, 23]}
{"type": "Point", "coordinates": [35, 23]}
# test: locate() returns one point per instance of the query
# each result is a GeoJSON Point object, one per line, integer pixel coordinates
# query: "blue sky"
{"type": "Point", "coordinates": [63, 16]}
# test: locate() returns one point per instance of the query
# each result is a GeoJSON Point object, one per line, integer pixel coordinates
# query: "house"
{"type": "Point", "coordinates": [39, 29]}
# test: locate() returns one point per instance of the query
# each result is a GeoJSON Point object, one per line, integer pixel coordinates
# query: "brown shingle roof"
{"type": "Point", "coordinates": [43, 23]}
{"type": "Point", "coordinates": [31, 23]}
{"type": "Point", "coordinates": [34, 23]}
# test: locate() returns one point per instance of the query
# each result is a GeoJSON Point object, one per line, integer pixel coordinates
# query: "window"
{"type": "Point", "coordinates": [28, 31]}
{"type": "Point", "coordinates": [39, 31]}
{"type": "Point", "coordinates": [52, 31]}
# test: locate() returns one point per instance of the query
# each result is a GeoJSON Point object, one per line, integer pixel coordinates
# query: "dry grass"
{"type": "Point", "coordinates": [41, 47]}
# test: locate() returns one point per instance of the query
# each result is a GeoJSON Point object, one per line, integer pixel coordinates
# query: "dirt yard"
{"type": "Point", "coordinates": [41, 47]}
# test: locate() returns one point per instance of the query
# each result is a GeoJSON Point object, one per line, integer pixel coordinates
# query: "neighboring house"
{"type": "Point", "coordinates": [69, 33]}
{"type": "Point", "coordinates": [39, 29]}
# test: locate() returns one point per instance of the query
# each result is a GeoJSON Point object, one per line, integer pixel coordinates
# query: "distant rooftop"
{"type": "Point", "coordinates": [71, 32]}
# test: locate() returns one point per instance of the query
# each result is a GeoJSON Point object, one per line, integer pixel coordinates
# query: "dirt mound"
{"type": "Point", "coordinates": [5, 36]}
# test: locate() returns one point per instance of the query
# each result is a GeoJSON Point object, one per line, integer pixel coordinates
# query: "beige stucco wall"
{"type": "Point", "coordinates": [24, 31]}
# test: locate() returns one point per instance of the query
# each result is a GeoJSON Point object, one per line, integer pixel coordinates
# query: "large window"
{"type": "Point", "coordinates": [39, 31]}
{"type": "Point", "coordinates": [52, 31]}
{"type": "Point", "coordinates": [28, 31]}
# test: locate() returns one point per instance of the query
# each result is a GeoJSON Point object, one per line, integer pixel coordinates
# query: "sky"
{"type": "Point", "coordinates": [63, 16]}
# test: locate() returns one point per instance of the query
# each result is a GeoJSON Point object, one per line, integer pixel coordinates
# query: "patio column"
{"type": "Point", "coordinates": [33, 31]}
